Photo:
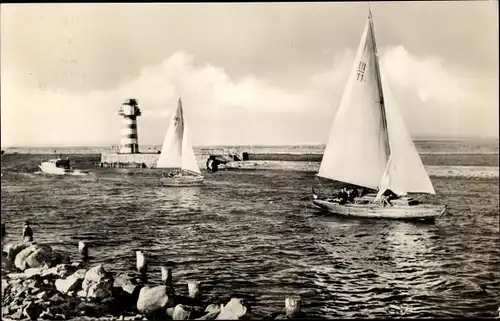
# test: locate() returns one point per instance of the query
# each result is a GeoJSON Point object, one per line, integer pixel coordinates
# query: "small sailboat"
{"type": "Point", "coordinates": [370, 148]}
{"type": "Point", "coordinates": [177, 154]}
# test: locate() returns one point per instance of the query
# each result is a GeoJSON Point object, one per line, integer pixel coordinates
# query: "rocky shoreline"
{"type": "Point", "coordinates": [39, 283]}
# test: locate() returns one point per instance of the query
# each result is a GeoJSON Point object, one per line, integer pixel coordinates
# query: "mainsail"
{"type": "Point", "coordinates": [369, 144]}
{"type": "Point", "coordinates": [177, 151]}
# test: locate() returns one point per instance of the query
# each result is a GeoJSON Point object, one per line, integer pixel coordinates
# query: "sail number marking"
{"type": "Point", "coordinates": [360, 73]}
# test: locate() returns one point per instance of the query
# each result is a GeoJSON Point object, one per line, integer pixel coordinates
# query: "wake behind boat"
{"type": "Point", "coordinates": [369, 147]}
{"type": "Point", "coordinates": [177, 154]}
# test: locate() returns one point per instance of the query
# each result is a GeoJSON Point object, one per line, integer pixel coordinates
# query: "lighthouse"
{"type": "Point", "coordinates": [129, 111]}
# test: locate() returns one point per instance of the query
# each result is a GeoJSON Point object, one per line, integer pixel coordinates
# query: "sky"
{"type": "Point", "coordinates": [248, 73]}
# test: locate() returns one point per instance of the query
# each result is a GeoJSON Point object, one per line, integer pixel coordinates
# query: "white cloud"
{"type": "Point", "coordinates": [425, 89]}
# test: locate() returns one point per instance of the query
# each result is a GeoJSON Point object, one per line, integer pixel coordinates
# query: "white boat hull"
{"type": "Point", "coordinates": [420, 211]}
{"type": "Point", "coordinates": [182, 181]}
{"type": "Point", "coordinates": [55, 170]}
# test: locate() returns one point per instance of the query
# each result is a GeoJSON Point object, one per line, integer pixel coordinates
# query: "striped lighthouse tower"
{"type": "Point", "coordinates": [129, 143]}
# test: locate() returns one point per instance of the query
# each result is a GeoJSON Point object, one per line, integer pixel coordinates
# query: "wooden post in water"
{"type": "Point", "coordinates": [292, 306]}
{"type": "Point", "coordinates": [141, 264]}
{"type": "Point", "coordinates": [167, 280]}
{"type": "Point", "coordinates": [83, 249]}
{"type": "Point", "coordinates": [194, 289]}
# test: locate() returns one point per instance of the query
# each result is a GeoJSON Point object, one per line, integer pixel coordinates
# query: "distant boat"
{"type": "Point", "coordinates": [59, 166]}
{"type": "Point", "coordinates": [369, 147]}
{"type": "Point", "coordinates": [177, 154]}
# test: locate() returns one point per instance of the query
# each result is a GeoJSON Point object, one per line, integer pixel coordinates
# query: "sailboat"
{"type": "Point", "coordinates": [177, 154]}
{"type": "Point", "coordinates": [369, 148]}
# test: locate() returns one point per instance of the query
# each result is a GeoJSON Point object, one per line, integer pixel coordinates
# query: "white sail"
{"type": "Point", "coordinates": [189, 162]}
{"type": "Point", "coordinates": [369, 144]}
{"type": "Point", "coordinates": [405, 171]}
{"type": "Point", "coordinates": [171, 151]}
{"type": "Point", "coordinates": [357, 149]}
{"type": "Point", "coordinates": [177, 151]}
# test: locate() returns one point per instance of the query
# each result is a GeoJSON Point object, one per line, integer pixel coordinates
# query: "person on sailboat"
{"type": "Point", "coordinates": [362, 192]}
{"type": "Point", "coordinates": [390, 195]}
{"type": "Point", "coordinates": [387, 197]}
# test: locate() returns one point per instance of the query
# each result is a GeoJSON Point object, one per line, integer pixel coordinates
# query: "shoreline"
{"type": "Point", "coordinates": [41, 283]}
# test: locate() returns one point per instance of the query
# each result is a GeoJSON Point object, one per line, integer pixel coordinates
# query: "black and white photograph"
{"type": "Point", "coordinates": [250, 160]}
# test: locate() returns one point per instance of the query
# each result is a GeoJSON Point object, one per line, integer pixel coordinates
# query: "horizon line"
{"type": "Point", "coordinates": [420, 139]}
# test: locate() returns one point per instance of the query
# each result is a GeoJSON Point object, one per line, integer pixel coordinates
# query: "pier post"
{"type": "Point", "coordinates": [167, 280]}
{"type": "Point", "coordinates": [194, 289]}
{"type": "Point", "coordinates": [83, 249]}
{"type": "Point", "coordinates": [292, 306]}
{"type": "Point", "coordinates": [141, 264]}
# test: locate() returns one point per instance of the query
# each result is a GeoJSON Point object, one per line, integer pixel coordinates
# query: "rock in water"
{"type": "Point", "coordinates": [12, 249]}
{"type": "Point", "coordinates": [37, 255]}
{"type": "Point", "coordinates": [233, 310]}
{"type": "Point", "coordinates": [181, 312]}
{"type": "Point", "coordinates": [152, 300]}
{"type": "Point", "coordinates": [97, 284]}
{"type": "Point", "coordinates": [43, 255]}
{"type": "Point", "coordinates": [212, 311]}
{"type": "Point", "coordinates": [127, 283]}
{"type": "Point", "coordinates": [126, 290]}
{"type": "Point", "coordinates": [22, 256]}
{"type": "Point", "coordinates": [72, 283]}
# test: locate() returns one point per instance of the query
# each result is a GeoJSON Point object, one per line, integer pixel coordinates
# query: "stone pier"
{"type": "Point", "coordinates": [148, 160]}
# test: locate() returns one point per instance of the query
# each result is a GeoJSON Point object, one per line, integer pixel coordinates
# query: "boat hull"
{"type": "Point", "coordinates": [52, 170]}
{"type": "Point", "coordinates": [408, 212]}
{"type": "Point", "coordinates": [183, 181]}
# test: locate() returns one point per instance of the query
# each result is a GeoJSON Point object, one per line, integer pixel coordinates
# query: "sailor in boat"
{"type": "Point", "coordinates": [27, 232]}
{"type": "Point", "coordinates": [175, 173]}
{"type": "Point", "coordinates": [387, 197]}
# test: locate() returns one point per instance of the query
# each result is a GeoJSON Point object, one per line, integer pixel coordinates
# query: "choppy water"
{"type": "Point", "coordinates": [251, 234]}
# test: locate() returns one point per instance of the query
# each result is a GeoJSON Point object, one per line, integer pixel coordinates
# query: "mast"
{"type": "Point", "coordinates": [377, 73]}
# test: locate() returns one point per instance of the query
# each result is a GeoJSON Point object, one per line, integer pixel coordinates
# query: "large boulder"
{"type": "Point", "coordinates": [12, 249]}
{"type": "Point", "coordinates": [152, 300]}
{"type": "Point", "coordinates": [97, 284]}
{"type": "Point", "coordinates": [211, 312]}
{"type": "Point", "coordinates": [46, 256]}
{"type": "Point", "coordinates": [126, 288]}
{"type": "Point", "coordinates": [58, 271]}
{"type": "Point", "coordinates": [71, 283]}
{"type": "Point", "coordinates": [233, 310]}
{"type": "Point", "coordinates": [38, 256]}
{"type": "Point", "coordinates": [21, 258]}
{"type": "Point", "coordinates": [127, 283]}
{"type": "Point", "coordinates": [181, 312]}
